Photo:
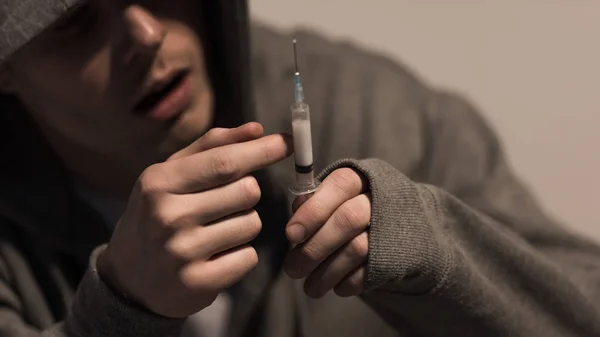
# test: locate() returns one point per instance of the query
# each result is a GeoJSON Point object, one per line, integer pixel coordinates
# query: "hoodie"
{"type": "Point", "coordinates": [458, 246]}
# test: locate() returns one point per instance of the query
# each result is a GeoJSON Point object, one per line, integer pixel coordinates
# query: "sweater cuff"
{"type": "Point", "coordinates": [406, 253]}
{"type": "Point", "coordinates": [98, 311]}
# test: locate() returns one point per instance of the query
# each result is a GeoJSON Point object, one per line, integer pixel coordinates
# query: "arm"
{"type": "Point", "coordinates": [457, 246]}
{"type": "Point", "coordinates": [470, 253]}
{"type": "Point", "coordinates": [96, 311]}
{"type": "Point", "coordinates": [163, 264]}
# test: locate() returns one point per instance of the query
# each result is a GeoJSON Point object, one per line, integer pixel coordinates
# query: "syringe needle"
{"type": "Point", "coordinates": [295, 56]}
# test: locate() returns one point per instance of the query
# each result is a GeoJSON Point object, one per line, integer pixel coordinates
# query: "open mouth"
{"type": "Point", "coordinates": [153, 100]}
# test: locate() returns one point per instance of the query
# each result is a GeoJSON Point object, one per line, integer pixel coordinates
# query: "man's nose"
{"type": "Point", "coordinates": [145, 32]}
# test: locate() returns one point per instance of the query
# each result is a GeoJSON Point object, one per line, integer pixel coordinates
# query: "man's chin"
{"type": "Point", "coordinates": [190, 125]}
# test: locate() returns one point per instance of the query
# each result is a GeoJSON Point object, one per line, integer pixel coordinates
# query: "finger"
{"type": "Point", "coordinates": [353, 284]}
{"type": "Point", "coordinates": [341, 185]}
{"type": "Point", "coordinates": [299, 201]}
{"type": "Point", "coordinates": [190, 210]}
{"type": "Point", "coordinates": [203, 242]}
{"type": "Point", "coordinates": [347, 222]}
{"type": "Point", "coordinates": [220, 272]}
{"type": "Point", "coordinates": [220, 165]}
{"type": "Point", "coordinates": [333, 270]}
{"type": "Point", "coordinates": [220, 137]}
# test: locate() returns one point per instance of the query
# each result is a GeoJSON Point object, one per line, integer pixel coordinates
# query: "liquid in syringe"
{"type": "Point", "coordinates": [303, 151]}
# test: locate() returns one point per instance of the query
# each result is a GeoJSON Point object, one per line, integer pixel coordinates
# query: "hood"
{"type": "Point", "coordinates": [32, 180]}
{"type": "Point", "coordinates": [22, 20]}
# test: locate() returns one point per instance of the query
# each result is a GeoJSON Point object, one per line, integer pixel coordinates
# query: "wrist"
{"type": "Point", "coordinates": [107, 274]}
{"type": "Point", "coordinates": [98, 310]}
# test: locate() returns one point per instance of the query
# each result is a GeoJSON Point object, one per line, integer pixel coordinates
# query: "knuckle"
{"type": "Point", "coordinates": [344, 179]}
{"type": "Point", "coordinates": [167, 220]}
{"type": "Point", "coordinates": [224, 168]}
{"type": "Point", "coordinates": [190, 280]}
{"type": "Point", "coordinates": [151, 180]}
{"type": "Point", "coordinates": [215, 133]}
{"type": "Point", "coordinates": [179, 249]}
{"type": "Point", "coordinates": [250, 190]}
{"type": "Point", "coordinates": [167, 217]}
{"type": "Point", "coordinates": [348, 217]}
{"type": "Point", "coordinates": [255, 128]}
{"type": "Point", "coordinates": [316, 211]}
{"type": "Point", "coordinates": [270, 152]}
{"type": "Point", "coordinates": [358, 248]}
{"type": "Point", "coordinates": [313, 252]}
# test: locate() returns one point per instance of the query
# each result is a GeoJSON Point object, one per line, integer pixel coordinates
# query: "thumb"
{"type": "Point", "coordinates": [299, 201]}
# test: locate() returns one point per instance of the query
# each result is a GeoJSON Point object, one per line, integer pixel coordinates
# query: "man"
{"type": "Point", "coordinates": [126, 122]}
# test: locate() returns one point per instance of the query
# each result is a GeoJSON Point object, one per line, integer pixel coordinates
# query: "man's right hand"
{"type": "Point", "coordinates": [183, 237]}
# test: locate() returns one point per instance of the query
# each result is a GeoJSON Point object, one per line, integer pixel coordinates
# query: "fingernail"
{"type": "Point", "coordinates": [289, 141]}
{"type": "Point", "coordinates": [296, 233]}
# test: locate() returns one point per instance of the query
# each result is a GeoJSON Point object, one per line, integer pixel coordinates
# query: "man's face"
{"type": "Point", "coordinates": [125, 79]}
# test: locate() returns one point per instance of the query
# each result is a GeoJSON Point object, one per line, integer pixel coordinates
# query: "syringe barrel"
{"type": "Point", "coordinates": [303, 151]}
{"type": "Point", "coordinates": [305, 180]}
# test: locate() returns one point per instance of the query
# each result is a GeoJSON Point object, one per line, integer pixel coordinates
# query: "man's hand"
{"type": "Point", "coordinates": [331, 232]}
{"type": "Point", "coordinates": [183, 237]}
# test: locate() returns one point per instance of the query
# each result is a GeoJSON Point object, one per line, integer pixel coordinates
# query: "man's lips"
{"type": "Point", "coordinates": [168, 100]}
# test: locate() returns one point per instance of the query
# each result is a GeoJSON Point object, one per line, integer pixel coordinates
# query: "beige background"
{"type": "Point", "coordinates": [531, 66]}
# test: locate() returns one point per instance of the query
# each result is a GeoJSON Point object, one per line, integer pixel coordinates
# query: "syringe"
{"type": "Point", "coordinates": [303, 153]}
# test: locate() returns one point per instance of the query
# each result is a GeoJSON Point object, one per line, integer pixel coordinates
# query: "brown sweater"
{"type": "Point", "coordinates": [458, 246]}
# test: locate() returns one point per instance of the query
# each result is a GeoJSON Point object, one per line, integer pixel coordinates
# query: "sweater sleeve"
{"type": "Point", "coordinates": [96, 310]}
{"type": "Point", "coordinates": [466, 251]}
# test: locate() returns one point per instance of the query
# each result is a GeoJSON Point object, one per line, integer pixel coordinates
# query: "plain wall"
{"type": "Point", "coordinates": [530, 66]}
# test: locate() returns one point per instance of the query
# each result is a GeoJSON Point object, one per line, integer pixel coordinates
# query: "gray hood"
{"type": "Point", "coordinates": [22, 20]}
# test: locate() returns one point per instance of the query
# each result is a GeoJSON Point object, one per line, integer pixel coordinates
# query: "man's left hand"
{"type": "Point", "coordinates": [331, 234]}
